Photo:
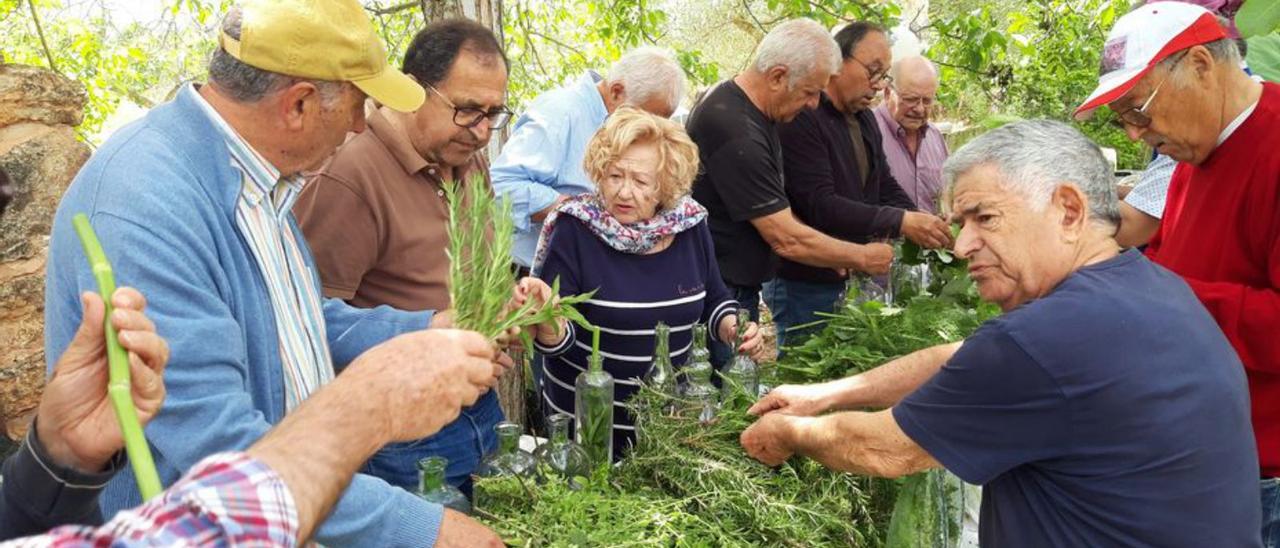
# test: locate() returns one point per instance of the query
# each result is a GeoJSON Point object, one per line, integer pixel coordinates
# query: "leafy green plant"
{"type": "Point", "coordinates": [480, 276]}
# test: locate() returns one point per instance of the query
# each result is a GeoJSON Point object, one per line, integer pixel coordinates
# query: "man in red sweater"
{"type": "Point", "coordinates": [1173, 79]}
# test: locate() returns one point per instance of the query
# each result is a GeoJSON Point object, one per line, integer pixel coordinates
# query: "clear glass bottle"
{"type": "Point", "coordinates": [662, 375]}
{"type": "Point", "coordinates": [699, 396]}
{"type": "Point", "coordinates": [432, 486]}
{"type": "Point", "coordinates": [593, 410]}
{"type": "Point", "coordinates": [742, 374]}
{"type": "Point", "coordinates": [508, 459]}
{"type": "Point", "coordinates": [560, 455]}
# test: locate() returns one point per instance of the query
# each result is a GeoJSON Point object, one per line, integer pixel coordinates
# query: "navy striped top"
{"type": "Point", "coordinates": [679, 285]}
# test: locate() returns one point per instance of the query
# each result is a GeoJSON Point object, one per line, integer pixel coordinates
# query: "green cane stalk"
{"type": "Point", "coordinates": [120, 384]}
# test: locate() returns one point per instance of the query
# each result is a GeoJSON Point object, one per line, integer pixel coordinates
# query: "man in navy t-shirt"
{"type": "Point", "coordinates": [1104, 408]}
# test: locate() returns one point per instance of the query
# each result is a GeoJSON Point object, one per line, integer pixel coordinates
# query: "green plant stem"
{"type": "Point", "coordinates": [120, 385]}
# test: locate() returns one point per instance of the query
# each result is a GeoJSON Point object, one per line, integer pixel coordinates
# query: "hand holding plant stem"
{"type": "Point", "coordinates": [752, 340]}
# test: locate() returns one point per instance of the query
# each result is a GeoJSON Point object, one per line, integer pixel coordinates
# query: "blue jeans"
{"type": "Point", "coordinates": [794, 303]}
{"type": "Point", "coordinates": [747, 297]}
{"type": "Point", "coordinates": [465, 442]}
{"type": "Point", "coordinates": [1271, 513]}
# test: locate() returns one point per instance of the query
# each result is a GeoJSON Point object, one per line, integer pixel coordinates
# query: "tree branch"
{"type": "Point", "coordinates": [396, 8]}
{"type": "Point", "coordinates": [746, 4]}
{"type": "Point", "coordinates": [48, 54]}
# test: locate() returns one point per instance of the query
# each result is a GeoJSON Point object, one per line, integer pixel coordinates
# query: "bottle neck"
{"type": "Point", "coordinates": [430, 477]}
{"type": "Point", "coordinates": [559, 430]}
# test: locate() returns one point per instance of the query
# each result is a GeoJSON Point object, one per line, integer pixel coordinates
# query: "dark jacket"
{"type": "Point", "coordinates": [38, 495]}
{"type": "Point", "coordinates": [825, 187]}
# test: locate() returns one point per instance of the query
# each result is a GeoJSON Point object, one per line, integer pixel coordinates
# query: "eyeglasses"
{"type": "Point", "coordinates": [875, 77]}
{"type": "Point", "coordinates": [1137, 116]}
{"type": "Point", "coordinates": [913, 102]}
{"type": "Point", "coordinates": [470, 117]}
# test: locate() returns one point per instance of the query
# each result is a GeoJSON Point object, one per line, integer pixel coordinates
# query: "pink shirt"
{"type": "Point", "coordinates": [919, 175]}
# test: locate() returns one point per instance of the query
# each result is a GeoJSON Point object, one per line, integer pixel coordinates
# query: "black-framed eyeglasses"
{"type": "Point", "coordinates": [469, 117]}
{"type": "Point", "coordinates": [1137, 116]}
{"type": "Point", "coordinates": [875, 77]}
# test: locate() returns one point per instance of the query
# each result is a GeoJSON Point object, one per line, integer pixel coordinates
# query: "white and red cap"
{"type": "Point", "coordinates": [1144, 37]}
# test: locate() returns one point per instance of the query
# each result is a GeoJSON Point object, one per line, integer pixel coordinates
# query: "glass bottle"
{"type": "Point", "coordinates": [561, 456]}
{"type": "Point", "coordinates": [662, 375]}
{"type": "Point", "coordinates": [741, 375]}
{"type": "Point", "coordinates": [508, 459]}
{"type": "Point", "coordinates": [699, 396]}
{"type": "Point", "coordinates": [433, 488]}
{"type": "Point", "coordinates": [593, 408]}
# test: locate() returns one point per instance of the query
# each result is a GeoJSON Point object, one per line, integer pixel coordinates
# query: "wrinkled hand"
{"type": "Point", "coordinates": [752, 340]}
{"type": "Point", "coordinates": [765, 440]}
{"type": "Point", "coordinates": [461, 531]}
{"type": "Point", "coordinates": [794, 399]}
{"type": "Point", "coordinates": [75, 421]}
{"type": "Point", "coordinates": [427, 377]}
{"type": "Point", "coordinates": [929, 231]}
{"type": "Point", "coordinates": [876, 259]}
{"type": "Point", "coordinates": [547, 333]}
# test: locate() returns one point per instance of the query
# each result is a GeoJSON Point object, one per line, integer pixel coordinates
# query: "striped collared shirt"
{"type": "Point", "coordinates": [919, 174]}
{"type": "Point", "coordinates": [264, 220]}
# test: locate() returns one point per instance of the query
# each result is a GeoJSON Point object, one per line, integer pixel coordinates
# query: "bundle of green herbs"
{"type": "Point", "coordinates": [481, 279]}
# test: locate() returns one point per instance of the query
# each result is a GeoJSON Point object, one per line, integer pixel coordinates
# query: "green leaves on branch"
{"type": "Point", "coordinates": [1258, 18]}
{"type": "Point", "coordinates": [481, 280]}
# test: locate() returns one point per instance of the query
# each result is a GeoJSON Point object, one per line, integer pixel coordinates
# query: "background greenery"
{"type": "Point", "coordinates": [1023, 58]}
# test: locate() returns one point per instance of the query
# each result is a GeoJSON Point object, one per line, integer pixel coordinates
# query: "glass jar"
{"type": "Point", "coordinates": [560, 455]}
{"type": "Point", "coordinates": [741, 375]}
{"type": "Point", "coordinates": [432, 486]}
{"type": "Point", "coordinates": [698, 396]}
{"type": "Point", "coordinates": [593, 412]}
{"type": "Point", "coordinates": [661, 376]}
{"type": "Point", "coordinates": [508, 459]}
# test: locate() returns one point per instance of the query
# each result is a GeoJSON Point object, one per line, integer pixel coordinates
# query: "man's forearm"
{"type": "Point", "coordinates": [817, 249]}
{"type": "Point", "coordinates": [318, 447]}
{"type": "Point", "coordinates": [869, 444]}
{"type": "Point", "coordinates": [887, 384]}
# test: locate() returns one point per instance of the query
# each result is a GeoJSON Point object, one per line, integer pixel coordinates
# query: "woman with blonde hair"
{"type": "Point", "coordinates": [642, 243]}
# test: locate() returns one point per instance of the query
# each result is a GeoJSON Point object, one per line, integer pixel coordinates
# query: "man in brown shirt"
{"type": "Point", "coordinates": [376, 217]}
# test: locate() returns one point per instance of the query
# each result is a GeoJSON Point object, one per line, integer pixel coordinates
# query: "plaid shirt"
{"type": "Point", "coordinates": [228, 499]}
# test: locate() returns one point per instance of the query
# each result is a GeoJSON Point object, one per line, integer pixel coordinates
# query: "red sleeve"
{"type": "Point", "coordinates": [1249, 316]}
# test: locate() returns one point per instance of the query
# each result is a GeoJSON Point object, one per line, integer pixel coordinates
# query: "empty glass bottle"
{"type": "Point", "coordinates": [508, 459]}
{"type": "Point", "coordinates": [433, 488]}
{"type": "Point", "coordinates": [699, 396]}
{"type": "Point", "coordinates": [662, 375]}
{"type": "Point", "coordinates": [741, 374]}
{"type": "Point", "coordinates": [593, 411]}
{"type": "Point", "coordinates": [560, 455]}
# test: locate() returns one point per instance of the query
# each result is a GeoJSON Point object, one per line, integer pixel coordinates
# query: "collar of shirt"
{"type": "Point", "coordinates": [591, 94]}
{"type": "Point", "coordinates": [1235, 124]}
{"type": "Point", "coordinates": [264, 185]}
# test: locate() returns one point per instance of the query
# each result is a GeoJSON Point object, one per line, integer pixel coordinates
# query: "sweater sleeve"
{"type": "Point", "coordinates": [40, 495]}
{"type": "Point", "coordinates": [1248, 315]}
{"type": "Point", "coordinates": [719, 302]}
{"type": "Point", "coordinates": [562, 263]}
{"type": "Point", "coordinates": [812, 192]}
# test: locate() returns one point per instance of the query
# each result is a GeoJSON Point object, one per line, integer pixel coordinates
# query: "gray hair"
{"type": "Point", "coordinates": [648, 72]}
{"type": "Point", "coordinates": [1035, 157]}
{"type": "Point", "coordinates": [247, 84]}
{"type": "Point", "coordinates": [800, 45]}
{"type": "Point", "coordinates": [1226, 51]}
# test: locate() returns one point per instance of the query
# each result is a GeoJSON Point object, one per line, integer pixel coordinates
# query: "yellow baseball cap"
{"type": "Point", "coordinates": [329, 40]}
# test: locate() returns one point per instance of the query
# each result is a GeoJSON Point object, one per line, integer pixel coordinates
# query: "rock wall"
{"type": "Point", "coordinates": [39, 151]}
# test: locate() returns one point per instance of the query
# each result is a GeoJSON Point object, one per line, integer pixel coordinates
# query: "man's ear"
{"type": "Point", "coordinates": [1073, 206]}
{"type": "Point", "coordinates": [295, 103]}
{"type": "Point", "coordinates": [778, 78]}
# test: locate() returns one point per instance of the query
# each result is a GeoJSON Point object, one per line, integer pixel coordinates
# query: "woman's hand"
{"type": "Point", "coordinates": [752, 340]}
{"type": "Point", "coordinates": [547, 333]}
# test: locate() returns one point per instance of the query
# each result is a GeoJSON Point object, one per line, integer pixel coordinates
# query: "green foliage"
{"type": "Point", "coordinates": [1258, 18]}
{"type": "Point", "coordinates": [1264, 56]}
{"type": "Point", "coordinates": [1038, 61]}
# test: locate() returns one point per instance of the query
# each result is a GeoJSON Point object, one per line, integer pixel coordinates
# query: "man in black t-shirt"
{"type": "Point", "coordinates": [1103, 408]}
{"type": "Point", "coordinates": [741, 181]}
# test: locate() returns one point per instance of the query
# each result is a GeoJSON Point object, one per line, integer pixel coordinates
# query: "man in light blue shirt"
{"type": "Point", "coordinates": [541, 163]}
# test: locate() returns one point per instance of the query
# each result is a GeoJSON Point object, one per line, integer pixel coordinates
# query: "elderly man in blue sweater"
{"type": "Point", "coordinates": [193, 202]}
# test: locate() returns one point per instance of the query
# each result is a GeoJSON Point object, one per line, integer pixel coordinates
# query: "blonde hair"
{"type": "Point", "coordinates": [629, 126]}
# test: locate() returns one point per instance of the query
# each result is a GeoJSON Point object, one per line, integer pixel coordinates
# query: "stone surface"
{"type": "Point", "coordinates": [39, 151]}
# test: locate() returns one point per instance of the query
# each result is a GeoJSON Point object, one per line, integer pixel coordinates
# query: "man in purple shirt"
{"type": "Point", "coordinates": [915, 149]}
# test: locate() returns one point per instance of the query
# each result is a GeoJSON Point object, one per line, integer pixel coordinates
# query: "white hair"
{"type": "Point", "coordinates": [896, 68]}
{"type": "Point", "coordinates": [800, 45]}
{"type": "Point", "coordinates": [648, 72]}
{"type": "Point", "coordinates": [1035, 157]}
